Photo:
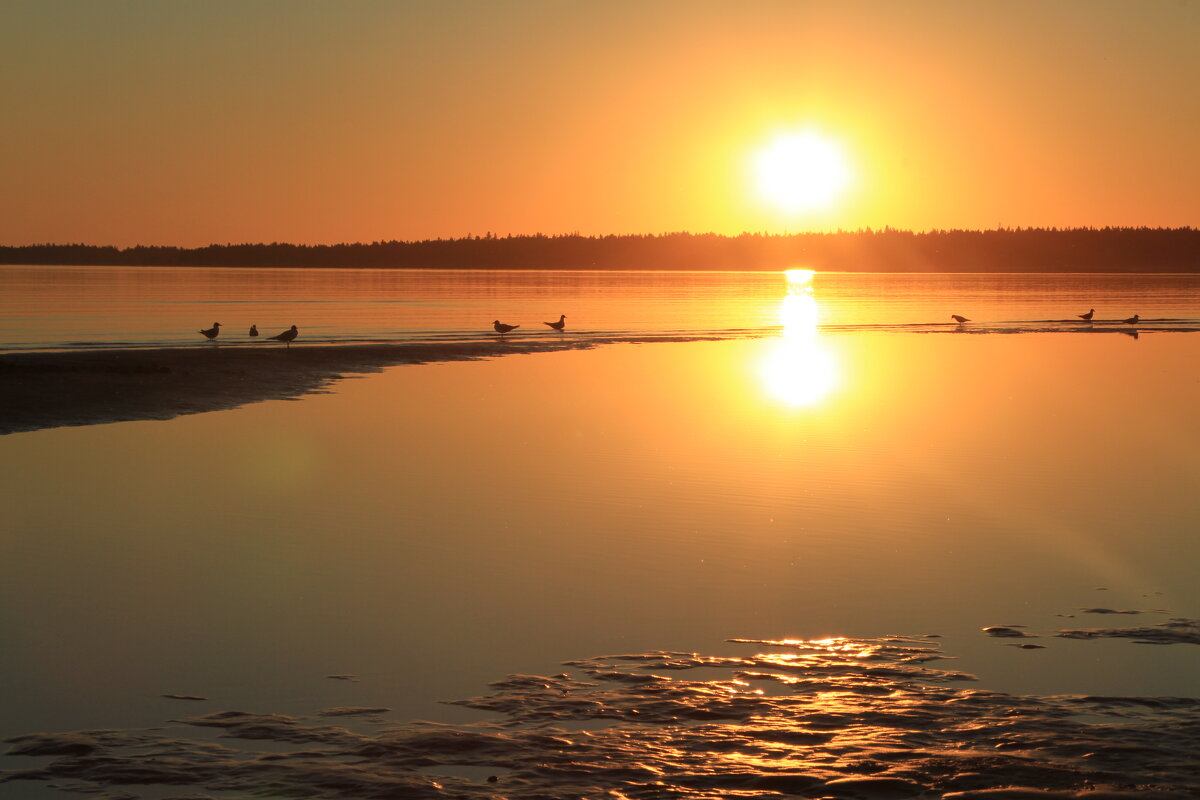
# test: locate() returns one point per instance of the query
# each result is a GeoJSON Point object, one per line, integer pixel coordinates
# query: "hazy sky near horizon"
{"type": "Point", "coordinates": [201, 121]}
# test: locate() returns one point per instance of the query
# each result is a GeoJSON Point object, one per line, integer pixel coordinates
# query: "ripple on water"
{"type": "Point", "coordinates": [830, 718]}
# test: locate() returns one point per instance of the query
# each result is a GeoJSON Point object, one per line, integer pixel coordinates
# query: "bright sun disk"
{"type": "Point", "coordinates": [801, 172]}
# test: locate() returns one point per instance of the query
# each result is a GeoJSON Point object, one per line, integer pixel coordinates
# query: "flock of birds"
{"type": "Point", "coordinates": [558, 326]}
{"type": "Point", "coordinates": [1085, 317]}
{"type": "Point", "coordinates": [287, 336]}
{"type": "Point", "coordinates": [291, 333]}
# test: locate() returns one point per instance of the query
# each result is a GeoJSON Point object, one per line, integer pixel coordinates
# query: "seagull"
{"type": "Point", "coordinates": [254, 330]}
{"type": "Point", "coordinates": [1088, 316]}
{"type": "Point", "coordinates": [502, 328]}
{"type": "Point", "coordinates": [212, 332]}
{"type": "Point", "coordinates": [558, 326]}
{"type": "Point", "coordinates": [1131, 321]}
{"type": "Point", "coordinates": [958, 319]}
{"type": "Point", "coordinates": [286, 336]}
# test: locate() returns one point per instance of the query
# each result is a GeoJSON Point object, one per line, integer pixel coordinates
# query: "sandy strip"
{"type": "Point", "coordinates": [49, 390]}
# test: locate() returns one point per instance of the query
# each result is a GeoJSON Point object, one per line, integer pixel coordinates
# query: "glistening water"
{"type": "Point", "coordinates": [434, 528]}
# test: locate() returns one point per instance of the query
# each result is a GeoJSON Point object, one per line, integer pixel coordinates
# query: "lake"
{"type": "Point", "coordinates": [839, 460]}
{"type": "Point", "coordinates": [106, 307]}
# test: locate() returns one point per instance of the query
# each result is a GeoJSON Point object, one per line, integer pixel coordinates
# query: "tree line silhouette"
{"type": "Point", "coordinates": [1111, 249]}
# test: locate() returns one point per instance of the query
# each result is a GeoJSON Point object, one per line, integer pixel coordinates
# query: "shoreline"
{"type": "Point", "coordinates": [42, 389]}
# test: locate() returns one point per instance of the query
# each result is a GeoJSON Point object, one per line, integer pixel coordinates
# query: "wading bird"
{"type": "Point", "coordinates": [958, 319]}
{"type": "Point", "coordinates": [286, 336]}
{"type": "Point", "coordinates": [1132, 320]}
{"type": "Point", "coordinates": [254, 330]}
{"type": "Point", "coordinates": [212, 332]}
{"type": "Point", "coordinates": [1088, 316]}
{"type": "Point", "coordinates": [558, 326]}
{"type": "Point", "coordinates": [502, 328]}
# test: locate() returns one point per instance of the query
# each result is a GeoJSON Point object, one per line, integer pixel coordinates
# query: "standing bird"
{"type": "Point", "coordinates": [286, 336]}
{"type": "Point", "coordinates": [1088, 316]}
{"type": "Point", "coordinates": [558, 326]}
{"type": "Point", "coordinates": [958, 319]}
{"type": "Point", "coordinates": [212, 332]}
{"type": "Point", "coordinates": [502, 328]}
{"type": "Point", "coordinates": [1131, 321]}
{"type": "Point", "coordinates": [254, 330]}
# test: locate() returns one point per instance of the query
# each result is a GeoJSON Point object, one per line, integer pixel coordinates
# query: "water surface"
{"type": "Point", "coordinates": [104, 307]}
{"type": "Point", "coordinates": [433, 528]}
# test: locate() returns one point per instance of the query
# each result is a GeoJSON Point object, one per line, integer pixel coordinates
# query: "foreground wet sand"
{"type": "Point", "coordinates": [829, 718]}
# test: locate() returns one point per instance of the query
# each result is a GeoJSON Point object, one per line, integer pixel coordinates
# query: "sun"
{"type": "Point", "coordinates": [801, 171]}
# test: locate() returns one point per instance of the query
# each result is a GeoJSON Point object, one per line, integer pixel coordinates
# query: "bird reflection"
{"type": "Point", "coordinates": [800, 370]}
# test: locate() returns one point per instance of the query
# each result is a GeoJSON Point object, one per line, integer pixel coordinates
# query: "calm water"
{"type": "Point", "coordinates": [98, 307]}
{"type": "Point", "coordinates": [435, 527]}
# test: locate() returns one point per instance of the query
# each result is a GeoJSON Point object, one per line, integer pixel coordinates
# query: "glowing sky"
{"type": "Point", "coordinates": [204, 121]}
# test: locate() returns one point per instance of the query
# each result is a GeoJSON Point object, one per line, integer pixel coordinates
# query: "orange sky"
{"type": "Point", "coordinates": [205, 121]}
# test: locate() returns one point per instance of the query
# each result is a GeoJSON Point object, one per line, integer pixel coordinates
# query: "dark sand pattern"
{"type": "Point", "coordinates": [353, 711]}
{"type": "Point", "coordinates": [1174, 631]}
{"type": "Point", "coordinates": [1114, 611]}
{"type": "Point", "coordinates": [1008, 632]}
{"type": "Point", "coordinates": [834, 718]}
{"type": "Point", "coordinates": [184, 697]}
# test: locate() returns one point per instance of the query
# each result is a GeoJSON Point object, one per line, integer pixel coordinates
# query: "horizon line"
{"type": "Point", "coordinates": [494, 236]}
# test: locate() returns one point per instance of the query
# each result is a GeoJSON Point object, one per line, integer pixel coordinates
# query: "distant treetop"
{"type": "Point", "coordinates": [866, 250]}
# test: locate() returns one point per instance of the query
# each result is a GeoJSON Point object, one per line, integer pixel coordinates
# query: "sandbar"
{"type": "Point", "coordinates": [44, 389]}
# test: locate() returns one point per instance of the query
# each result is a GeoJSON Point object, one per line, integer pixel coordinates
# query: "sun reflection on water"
{"type": "Point", "coordinates": [800, 371]}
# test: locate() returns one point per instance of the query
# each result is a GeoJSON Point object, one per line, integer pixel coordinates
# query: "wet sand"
{"type": "Point", "coordinates": [54, 389]}
{"type": "Point", "coordinates": [830, 718]}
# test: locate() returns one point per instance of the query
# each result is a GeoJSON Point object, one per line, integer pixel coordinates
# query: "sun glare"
{"type": "Point", "coordinates": [799, 277]}
{"type": "Point", "coordinates": [801, 172]}
{"type": "Point", "coordinates": [799, 371]}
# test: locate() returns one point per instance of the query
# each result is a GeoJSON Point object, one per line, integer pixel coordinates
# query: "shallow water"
{"type": "Point", "coordinates": [105, 307]}
{"type": "Point", "coordinates": [433, 528]}
{"type": "Point", "coordinates": [835, 717]}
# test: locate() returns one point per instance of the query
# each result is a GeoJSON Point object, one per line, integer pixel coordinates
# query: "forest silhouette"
{"type": "Point", "coordinates": [1111, 249]}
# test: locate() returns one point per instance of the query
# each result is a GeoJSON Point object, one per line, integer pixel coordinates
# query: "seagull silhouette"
{"type": "Point", "coordinates": [1131, 321]}
{"type": "Point", "coordinates": [1088, 316]}
{"type": "Point", "coordinates": [502, 328]}
{"type": "Point", "coordinates": [958, 319]}
{"type": "Point", "coordinates": [286, 336]}
{"type": "Point", "coordinates": [558, 326]}
{"type": "Point", "coordinates": [254, 330]}
{"type": "Point", "coordinates": [212, 332]}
